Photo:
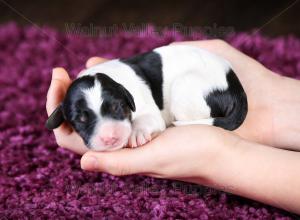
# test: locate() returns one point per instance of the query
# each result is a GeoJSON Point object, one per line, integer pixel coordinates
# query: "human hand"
{"type": "Point", "coordinates": [260, 86]}
{"type": "Point", "coordinates": [273, 100]}
{"type": "Point", "coordinates": [182, 153]}
{"type": "Point", "coordinates": [255, 79]}
{"type": "Point", "coordinates": [270, 114]}
{"type": "Point", "coordinates": [212, 156]}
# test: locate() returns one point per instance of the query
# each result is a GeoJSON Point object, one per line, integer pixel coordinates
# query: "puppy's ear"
{"type": "Point", "coordinates": [129, 98]}
{"type": "Point", "coordinates": [56, 118]}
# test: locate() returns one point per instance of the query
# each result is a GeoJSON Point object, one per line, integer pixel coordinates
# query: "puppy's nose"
{"type": "Point", "coordinates": [109, 140]}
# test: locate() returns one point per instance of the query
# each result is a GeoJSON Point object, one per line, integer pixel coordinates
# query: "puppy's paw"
{"type": "Point", "coordinates": [139, 137]}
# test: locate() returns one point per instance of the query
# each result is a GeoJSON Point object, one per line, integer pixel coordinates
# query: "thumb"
{"type": "Point", "coordinates": [126, 161]}
{"type": "Point", "coordinates": [59, 84]}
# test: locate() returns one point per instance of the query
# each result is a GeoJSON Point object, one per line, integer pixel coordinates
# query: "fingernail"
{"type": "Point", "coordinates": [89, 163]}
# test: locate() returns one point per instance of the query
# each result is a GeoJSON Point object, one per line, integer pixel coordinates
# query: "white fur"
{"type": "Point", "coordinates": [189, 74]}
{"type": "Point", "coordinates": [205, 121]}
{"type": "Point", "coordinates": [93, 97]}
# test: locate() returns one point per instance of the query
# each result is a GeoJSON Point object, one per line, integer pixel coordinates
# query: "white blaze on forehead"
{"type": "Point", "coordinates": [93, 97]}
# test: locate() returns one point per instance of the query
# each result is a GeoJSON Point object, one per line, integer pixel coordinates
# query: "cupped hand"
{"type": "Point", "coordinates": [264, 90]}
{"type": "Point", "coordinates": [273, 100]}
{"type": "Point", "coordinates": [209, 155]}
{"type": "Point", "coordinates": [182, 153]}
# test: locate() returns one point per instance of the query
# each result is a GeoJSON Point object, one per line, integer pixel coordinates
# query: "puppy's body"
{"type": "Point", "coordinates": [182, 78]}
{"type": "Point", "coordinates": [173, 84]}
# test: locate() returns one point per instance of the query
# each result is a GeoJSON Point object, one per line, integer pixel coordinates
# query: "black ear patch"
{"type": "Point", "coordinates": [148, 66]}
{"type": "Point", "coordinates": [129, 99]}
{"type": "Point", "coordinates": [116, 89]}
{"type": "Point", "coordinates": [55, 119]}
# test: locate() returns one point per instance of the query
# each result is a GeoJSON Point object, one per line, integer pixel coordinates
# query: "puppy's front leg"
{"type": "Point", "coordinates": [143, 127]}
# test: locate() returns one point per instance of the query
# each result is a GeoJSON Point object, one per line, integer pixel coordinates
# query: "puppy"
{"type": "Point", "coordinates": [126, 101]}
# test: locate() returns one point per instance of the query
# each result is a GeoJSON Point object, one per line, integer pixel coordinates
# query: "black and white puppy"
{"type": "Point", "coordinates": [125, 101]}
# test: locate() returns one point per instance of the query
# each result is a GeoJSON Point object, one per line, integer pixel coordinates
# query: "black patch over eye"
{"type": "Point", "coordinates": [83, 117]}
{"type": "Point", "coordinates": [114, 106]}
{"type": "Point", "coordinates": [115, 109]}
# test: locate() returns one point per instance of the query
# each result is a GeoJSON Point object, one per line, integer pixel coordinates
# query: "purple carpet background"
{"type": "Point", "coordinates": [39, 180]}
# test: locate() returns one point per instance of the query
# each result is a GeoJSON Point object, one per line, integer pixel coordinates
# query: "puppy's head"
{"type": "Point", "coordinates": [99, 109]}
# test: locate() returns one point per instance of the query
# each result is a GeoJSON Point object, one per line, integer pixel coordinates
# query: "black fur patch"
{"type": "Point", "coordinates": [55, 119]}
{"type": "Point", "coordinates": [229, 107]}
{"type": "Point", "coordinates": [75, 107]}
{"type": "Point", "coordinates": [148, 66]}
{"type": "Point", "coordinates": [117, 101]}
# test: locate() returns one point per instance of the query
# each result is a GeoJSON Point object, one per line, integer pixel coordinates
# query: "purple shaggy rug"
{"type": "Point", "coordinates": [39, 180]}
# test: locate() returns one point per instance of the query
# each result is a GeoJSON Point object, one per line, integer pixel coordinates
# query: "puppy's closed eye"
{"type": "Point", "coordinates": [118, 107]}
{"type": "Point", "coordinates": [83, 117]}
{"type": "Point", "coordinates": [114, 107]}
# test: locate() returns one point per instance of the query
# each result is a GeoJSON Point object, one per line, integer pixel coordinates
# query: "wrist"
{"type": "Point", "coordinates": [227, 155]}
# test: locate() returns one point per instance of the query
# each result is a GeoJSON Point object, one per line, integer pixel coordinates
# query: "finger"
{"type": "Point", "coordinates": [94, 61]}
{"type": "Point", "coordinates": [215, 45]}
{"type": "Point", "coordinates": [207, 44]}
{"type": "Point", "coordinates": [64, 134]}
{"type": "Point", "coordinates": [59, 84]}
{"type": "Point", "coordinates": [72, 142]}
{"type": "Point", "coordinates": [126, 161]}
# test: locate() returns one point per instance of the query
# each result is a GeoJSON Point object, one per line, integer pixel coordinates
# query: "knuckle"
{"type": "Point", "coordinates": [60, 142]}
{"type": "Point", "coordinates": [118, 170]}
{"type": "Point", "coordinates": [115, 168]}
